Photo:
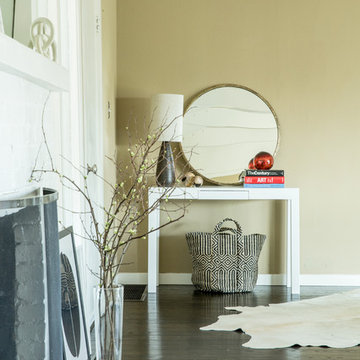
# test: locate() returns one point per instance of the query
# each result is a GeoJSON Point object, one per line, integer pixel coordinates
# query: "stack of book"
{"type": "Point", "coordinates": [263, 178]}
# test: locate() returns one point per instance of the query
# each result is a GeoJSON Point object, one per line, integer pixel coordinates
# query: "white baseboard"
{"type": "Point", "coordinates": [165, 278]}
{"type": "Point", "coordinates": [271, 279]}
{"type": "Point", "coordinates": [263, 279]}
{"type": "Point", "coordinates": [331, 280]}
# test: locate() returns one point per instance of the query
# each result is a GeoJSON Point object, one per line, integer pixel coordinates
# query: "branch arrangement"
{"type": "Point", "coordinates": [122, 221]}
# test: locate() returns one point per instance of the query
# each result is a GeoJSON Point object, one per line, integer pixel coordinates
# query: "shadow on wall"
{"type": "Point", "coordinates": [134, 114]}
{"type": "Point", "coordinates": [132, 118]}
{"type": "Point", "coordinates": [132, 121]}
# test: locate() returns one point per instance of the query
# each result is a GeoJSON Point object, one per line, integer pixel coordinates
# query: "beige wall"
{"type": "Point", "coordinates": [303, 57]}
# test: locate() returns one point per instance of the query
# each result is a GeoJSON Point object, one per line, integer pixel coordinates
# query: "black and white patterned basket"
{"type": "Point", "coordinates": [225, 260]}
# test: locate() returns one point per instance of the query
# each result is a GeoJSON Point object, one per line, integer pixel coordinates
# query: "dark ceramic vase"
{"type": "Point", "coordinates": [165, 170]}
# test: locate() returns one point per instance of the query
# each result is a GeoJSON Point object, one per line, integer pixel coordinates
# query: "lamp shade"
{"type": "Point", "coordinates": [167, 113]}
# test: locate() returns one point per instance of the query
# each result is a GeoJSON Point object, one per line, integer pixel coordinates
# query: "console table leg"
{"type": "Point", "coordinates": [288, 244]}
{"type": "Point", "coordinates": [153, 246]}
{"type": "Point", "coordinates": [295, 246]}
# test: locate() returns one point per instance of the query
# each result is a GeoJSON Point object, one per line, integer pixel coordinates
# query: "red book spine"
{"type": "Point", "coordinates": [264, 180]}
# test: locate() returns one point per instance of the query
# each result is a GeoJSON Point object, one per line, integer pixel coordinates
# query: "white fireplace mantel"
{"type": "Point", "coordinates": [19, 60]}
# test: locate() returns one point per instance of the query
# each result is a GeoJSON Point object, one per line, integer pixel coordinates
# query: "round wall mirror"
{"type": "Point", "coordinates": [224, 127]}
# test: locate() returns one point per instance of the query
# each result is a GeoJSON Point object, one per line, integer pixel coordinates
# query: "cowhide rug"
{"type": "Point", "coordinates": [332, 320]}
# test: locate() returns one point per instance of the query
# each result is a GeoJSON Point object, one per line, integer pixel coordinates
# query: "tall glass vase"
{"type": "Point", "coordinates": [109, 305]}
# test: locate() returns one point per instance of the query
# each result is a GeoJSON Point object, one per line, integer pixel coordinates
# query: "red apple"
{"type": "Point", "coordinates": [263, 161]}
{"type": "Point", "coordinates": [251, 164]}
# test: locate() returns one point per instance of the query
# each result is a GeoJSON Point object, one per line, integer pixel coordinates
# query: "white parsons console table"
{"type": "Point", "coordinates": [291, 195]}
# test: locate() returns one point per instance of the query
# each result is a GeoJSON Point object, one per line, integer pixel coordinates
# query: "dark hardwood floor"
{"type": "Point", "coordinates": [166, 326]}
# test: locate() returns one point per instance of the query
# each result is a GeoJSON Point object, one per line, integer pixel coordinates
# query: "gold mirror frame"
{"type": "Point", "coordinates": [192, 99]}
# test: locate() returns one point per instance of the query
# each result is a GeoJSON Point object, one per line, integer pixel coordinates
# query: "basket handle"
{"type": "Point", "coordinates": [226, 229]}
{"type": "Point", "coordinates": [218, 228]}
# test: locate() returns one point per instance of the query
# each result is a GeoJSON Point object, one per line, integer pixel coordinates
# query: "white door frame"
{"type": "Point", "coordinates": [85, 53]}
{"type": "Point", "coordinates": [93, 127]}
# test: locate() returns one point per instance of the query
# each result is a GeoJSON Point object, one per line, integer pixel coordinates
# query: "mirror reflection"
{"type": "Point", "coordinates": [19, 15]}
{"type": "Point", "coordinates": [24, 14]}
{"type": "Point", "coordinates": [224, 127]}
{"type": "Point", "coordinates": [7, 11]}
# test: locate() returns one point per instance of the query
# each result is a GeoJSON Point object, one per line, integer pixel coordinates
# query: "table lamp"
{"type": "Point", "coordinates": [167, 115]}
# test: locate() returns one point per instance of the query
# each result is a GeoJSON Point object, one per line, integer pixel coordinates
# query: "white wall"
{"type": "Point", "coordinates": [21, 107]}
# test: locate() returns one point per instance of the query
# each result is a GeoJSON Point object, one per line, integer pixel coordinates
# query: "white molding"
{"type": "Point", "coordinates": [93, 148]}
{"type": "Point", "coordinates": [272, 279]}
{"type": "Point", "coordinates": [170, 279]}
{"type": "Point", "coordinates": [263, 279]}
{"type": "Point", "coordinates": [19, 60]}
{"type": "Point", "coordinates": [131, 278]}
{"type": "Point", "coordinates": [331, 280]}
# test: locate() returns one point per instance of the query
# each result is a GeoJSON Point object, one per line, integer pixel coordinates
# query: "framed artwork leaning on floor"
{"type": "Point", "coordinates": [76, 344]}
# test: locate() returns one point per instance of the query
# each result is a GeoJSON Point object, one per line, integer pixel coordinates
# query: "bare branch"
{"type": "Point", "coordinates": [129, 206]}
